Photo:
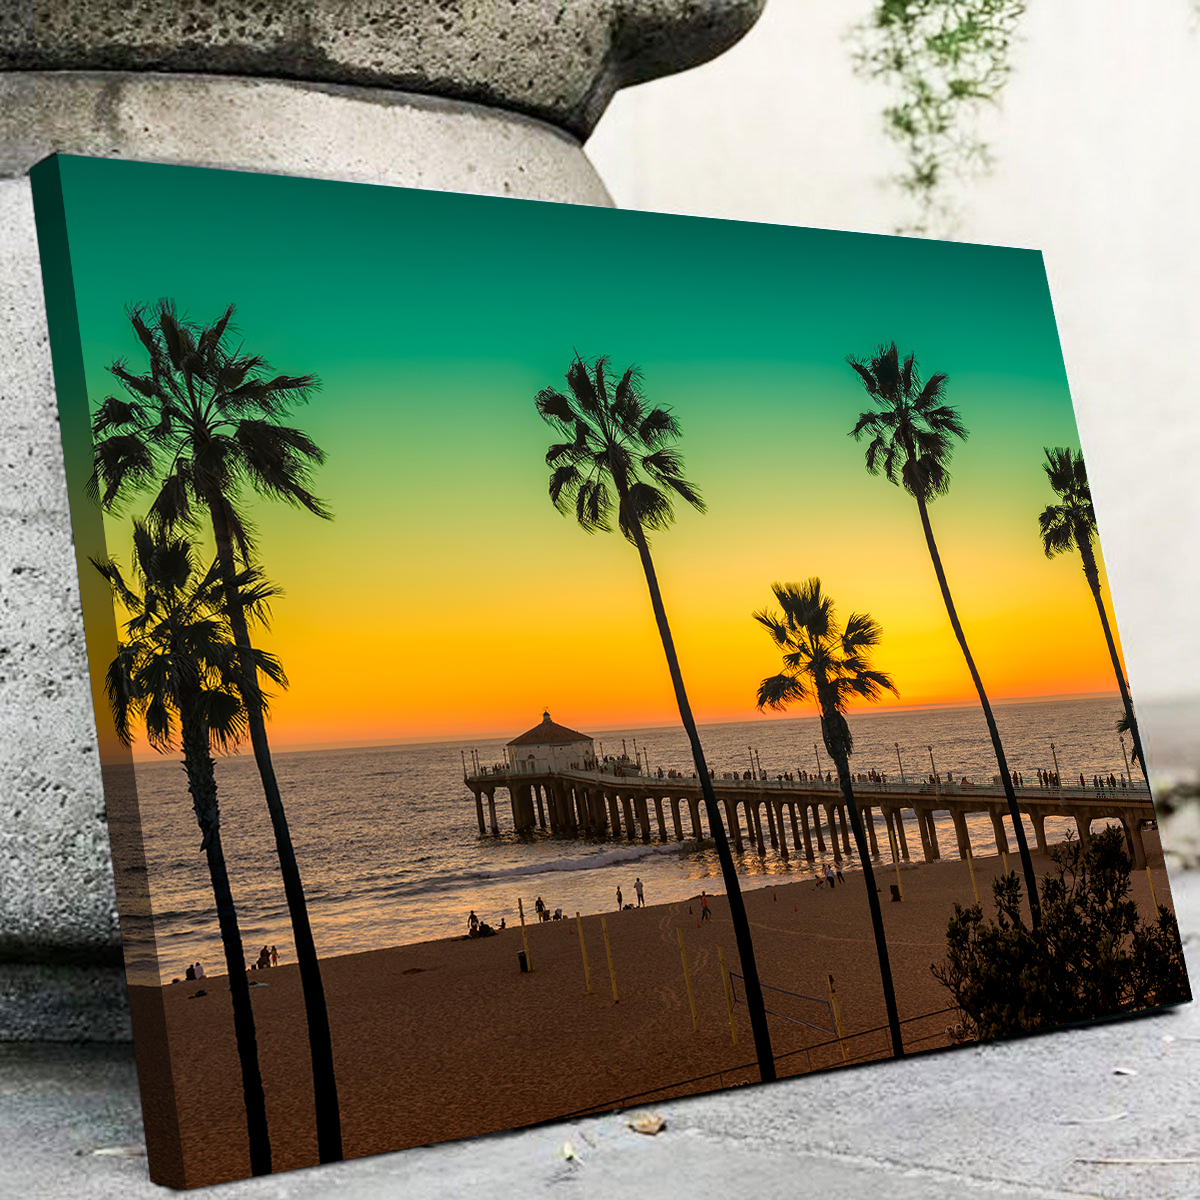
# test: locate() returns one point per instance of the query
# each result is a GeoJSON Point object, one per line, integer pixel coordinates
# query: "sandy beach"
{"type": "Point", "coordinates": [448, 1039]}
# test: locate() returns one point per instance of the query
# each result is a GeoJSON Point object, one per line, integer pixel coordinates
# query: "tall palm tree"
{"type": "Point", "coordinates": [198, 429]}
{"type": "Point", "coordinates": [617, 443]}
{"type": "Point", "coordinates": [1071, 525]}
{"type": "Point", "coordinates": [831, 664]}
{"type": "Point", "coordinates": [177, 670]}
{"type": "Point", "coordinates": [912, 431]}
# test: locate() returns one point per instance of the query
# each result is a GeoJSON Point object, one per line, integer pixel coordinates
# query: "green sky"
{"type": "Point", "coordinates": [433, 318]}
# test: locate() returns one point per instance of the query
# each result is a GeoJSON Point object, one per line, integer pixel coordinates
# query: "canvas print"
{"type": "Point", "coordinates": [549, 660]}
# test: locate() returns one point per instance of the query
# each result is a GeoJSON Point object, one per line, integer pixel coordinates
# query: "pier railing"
{"type": "Point", "coordinates": [1134, 790]}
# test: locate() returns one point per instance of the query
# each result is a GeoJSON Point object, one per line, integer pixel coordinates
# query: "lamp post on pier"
{"type": "Point", "coordinates": [820, 773]}
{"type": "Point", "coordinates": [901, 765]}
{"type": "Point", "coordinates": [1125, 755]}
{"type": "Point", "coordinates": [937, 783]}
{"type": "Point", "coordinates": [1057, 776]}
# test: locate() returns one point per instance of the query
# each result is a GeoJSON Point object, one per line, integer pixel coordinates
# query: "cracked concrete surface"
{"type": "Point", "coordinates": [1024, 1120]}
{"type": "Point", "coordinates": [558, 60]}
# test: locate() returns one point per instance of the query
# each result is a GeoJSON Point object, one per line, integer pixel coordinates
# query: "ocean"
{"type": "Point", "coordinates": [390, 852]}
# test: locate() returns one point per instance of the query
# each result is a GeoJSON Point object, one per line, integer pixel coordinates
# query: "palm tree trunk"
{"type": "Point", "coordinates": [325, 1093]}
{"type": "Point", "coordinates": [1092, 574]}
{"type": "Point", "coordinates": [864, 857]}
{"type": "Point", "coordinates": [1035, 908]}
{"type": "Point", "coordinates": [733, 890]}
{"type": "Point", "coordinates": [203, 787]}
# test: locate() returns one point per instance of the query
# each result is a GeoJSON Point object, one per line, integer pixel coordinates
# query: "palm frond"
{"type": "Point", "coordinates": [778, 691]}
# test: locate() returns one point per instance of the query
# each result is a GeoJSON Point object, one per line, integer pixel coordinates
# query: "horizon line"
{"type": "Point", "coordinates": [467, 739]}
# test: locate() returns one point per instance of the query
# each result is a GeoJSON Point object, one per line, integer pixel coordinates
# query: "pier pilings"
{"type": "Point", "coordinates": [592, 804]}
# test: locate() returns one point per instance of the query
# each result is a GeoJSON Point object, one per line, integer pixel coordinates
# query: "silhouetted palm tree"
{"type": "Point", "coordinates": [832, 665]}
{"type": "Point", "coordinates": [201, 426]}
{"type": "Point", "coordinates": [177, 670]}
{"type": "Point", "coordinates": [617, 443]}
{"type": "Point", "coordinates": [912, 431]}
{"type": "Point", "coordinates": [1071, 525]}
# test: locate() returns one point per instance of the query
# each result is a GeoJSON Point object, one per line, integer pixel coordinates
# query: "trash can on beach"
{"type": "Point", "coordinates": [895, 893]}
{"type": "Point", "coordinates": [522, 961]}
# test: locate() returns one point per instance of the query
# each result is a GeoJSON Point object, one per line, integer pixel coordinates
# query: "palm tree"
{"type": "Point", "coordinates": [832, 665]}
{"type": "Point", "coordinates": [618, 443]}
{"type": "Point", "coordinates": [1071, 525]}
{"type": "Point", "coordinates": [912, 432]}
{"type": "Point", "coordinates": [201, 425]}
{"type": "Point", "coordinates": [177, 670]}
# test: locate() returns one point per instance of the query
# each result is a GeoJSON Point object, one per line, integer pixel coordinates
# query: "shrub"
{"type": "Point", "coordinates": [1091, 957]}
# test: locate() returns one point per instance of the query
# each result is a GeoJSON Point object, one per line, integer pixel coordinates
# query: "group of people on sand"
{"type": "Point", "coordinates": [543, 911]}
{"type": "Point", "coordinates": [639, 890]}
{"type": "Point", "coordinates": [268, 956]}
{"type": "Point", "coordinates": [831, 875]}
{"type": "Point", "coordinates": [194, 971]}
{"type": "Point", "coordinates": [477, 928]}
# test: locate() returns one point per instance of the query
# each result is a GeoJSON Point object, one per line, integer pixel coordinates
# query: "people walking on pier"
{"type": "Point", "coordinates": [637, 887]}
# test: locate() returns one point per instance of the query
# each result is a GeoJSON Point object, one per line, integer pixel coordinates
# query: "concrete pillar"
{"type": "Point", "coordinates": [999, 830]}
{"type": "Point", "coordinates": [758, 833]}
{"type": "Point", "coordinates": [674, 801]}
{"type": "Point", "coordinates": [541, 808]}
{"type": "Point", "coordinates": [662, 824]}
{"type": "Point", "coordinates": [833, 833]}
{"type": "Point", "coordinates": [627, 810]}
{"type": "Point", "coordinates": [521, 795]}
{"type": "Point", "coordinates": [960, 832]}
{"type": "Point", "coordinates": [898, 820]}
{"type": "Point", "coordinates": [599, 811]}
{"type": "Point", "coordinates": [643, 816]}
{"type": "Point", "coordinates": [841, 812]}
{"type": "Point", "coordinates": [795, 827]}
{"type": "Point", "coordinates": [777, 809]}
{"type": "Point", "coordinates": [868, 818]}
{"type": "Point", "coordinates": [479, 810]}
{"type": "Point", "coordinates": [766, 803]}
{"type": "Point", "coordinates": [816, 820]}
{"type": "Point", "coordinates": [931, 833]}
{"type": "Point", "coordinates": [808, 850]}
{"type": "Point", "coordinates": [1133, 833]}
{"type": "Point", "coordinates": [731, 820]}
{"type": "Point", "coordinates": [1083, 823]}
{"type": "Point", "coordinates": [697, 828]}
{"type": "Point", "coordinates": [1038, 817]}
{"type": "Point", "coordinates": [274, 87]}
{"type": "Point", "coordinates": [923, 831]}
{"type": "Point", "coordinates": [492, 810]}
{"type": "Point", "coordinates": [614, 812]}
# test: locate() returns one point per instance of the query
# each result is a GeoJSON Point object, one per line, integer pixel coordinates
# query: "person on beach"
{"type": "Point", "coordinates": [190, 973]}
{"type": "Point", "coordinates": [199, 971]}
{"type": "Point", "coordinates": [704, 913]}
{"type": "Point", "coordinates": [829, 876]}
{"type": "Point", "coordinates": [637, 887]}
{"type": "Point", "coordinates": [472, 924]}
{"type": "Point", "coordinates": [620, 899]}
{"type": "Point", "coordinates": [840, 877]}
{"type": "Point", "coordinates": [274, 957]}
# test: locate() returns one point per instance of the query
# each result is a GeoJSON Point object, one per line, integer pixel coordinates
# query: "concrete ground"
{"type": "Point", "coordinates": [1107, 1111]}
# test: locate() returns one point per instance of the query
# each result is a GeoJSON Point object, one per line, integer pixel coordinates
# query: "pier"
{"type": "Point", "coordinates": [634, 807]}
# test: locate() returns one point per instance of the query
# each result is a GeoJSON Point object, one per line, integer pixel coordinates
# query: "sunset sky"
{"type": "Point", "coordinates": [448, 596]}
